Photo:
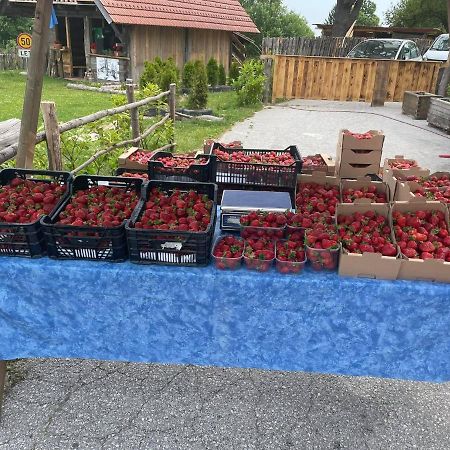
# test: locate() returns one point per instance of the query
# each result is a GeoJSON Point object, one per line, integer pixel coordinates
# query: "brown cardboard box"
{"type": "Point", "coordinates": [347, 141]}
{"type": "Point", "coordinates": [328, 165]}
{"type": "Point", "coordinates": [418, 269]}
{"type": "Point", "coordinates": [365, 182]}
{"type": "Point", "coordinates": [319, 178]}
{"type": "Point", "coordinates": [367, 265]}
{"type": "Point", "coordinates": [126, 163]}
{"type": "Point", "coordinates": [396, 178]}
{"type": "Point", "coordinates": [356, 170]}
{"type": "Point", "coordinates": [398, 158]}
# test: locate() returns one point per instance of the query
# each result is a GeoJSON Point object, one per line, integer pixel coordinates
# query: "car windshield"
{"type": "Point", "coordinates": [441, 44]}
{"type": "Point", "coordinates": [376, 49]}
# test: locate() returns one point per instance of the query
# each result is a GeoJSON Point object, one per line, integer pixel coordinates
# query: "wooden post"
{"type": "Point", "coordinates": [52, 136]}
{"type": "Point", "coordinates": [33, 93]}
{"type": "Point", "coordinates": [87, 41]}
{"type": "Point", "coordinates": [173, 101]}
{"type": "Point", "coordinates": [134, 112]}
{"type": "Point", "coordinates": [2, 382]}
{"type": "Point", "coordinates": [381, 83]}
{"type": "Point", "coordinates": [268, 72]}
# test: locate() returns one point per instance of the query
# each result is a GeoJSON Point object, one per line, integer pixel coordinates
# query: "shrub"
{"type": "Point", "coordinates": [212, 69]}
{"type": "Point", "coordinates": [234, 73]}
{"type": "Point", "coordinates": [198, 97]}
{"type": "Point", "coordinates": [159, 72]}
{"type": "Point", "coordinates": [188, 74]}
{"type": "Point", "coordinates": [222, 77]}
{"type": "Point", "coordinates": [250, 83]}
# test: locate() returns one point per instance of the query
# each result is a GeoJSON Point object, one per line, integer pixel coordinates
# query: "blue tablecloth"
{"type": "Point", "coordinates": [313, 322]}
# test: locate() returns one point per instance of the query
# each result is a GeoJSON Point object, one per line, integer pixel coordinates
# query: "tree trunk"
{"type": "Point", "coordinates": [443, 86]}
{"type": "Point", "coordinates": [347, 11]}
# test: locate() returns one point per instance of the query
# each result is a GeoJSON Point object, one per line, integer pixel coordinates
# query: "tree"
{"type": "Point", "coordinates": [345, 14]}
{"type": "Point", "coordinates": [418, 13]}
{"type": "Point", "coordinates": [367, 16]}
{"type": "Point", "coordinates": [212, 70]}
{"type": "Point", "coordinates": [274, 19]}
{"type": "Point", "coordinates": [10, 27]}
{"type": "Point", "coordinates": [198, 97]}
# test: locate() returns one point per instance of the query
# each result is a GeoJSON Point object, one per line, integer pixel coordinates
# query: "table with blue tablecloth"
{"type": "Point", "coordinates": [316, 322]}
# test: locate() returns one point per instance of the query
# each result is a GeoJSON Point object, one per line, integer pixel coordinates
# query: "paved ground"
{"type": "Point", "coordinates": [314, 127]}
{"type": "Point", "coordinates": [82, 405]}
{"type": "Point", "coordinates": [92, 405]}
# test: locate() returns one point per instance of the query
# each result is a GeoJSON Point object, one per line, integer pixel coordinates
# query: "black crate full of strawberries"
{"type": "Point", "coordinates": [173, 224]}
{"type": "Point", "coordinates": [25, 197]}
{"type": "Point", "coordinates": [267, 168]}
{"type": "Point", "coordinates": [90, 224]}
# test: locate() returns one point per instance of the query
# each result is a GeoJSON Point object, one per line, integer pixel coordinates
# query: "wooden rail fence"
{"type": "Point", "coordinates": [344, 79]}
{"type": "Point", "coordinates": [320, 46]}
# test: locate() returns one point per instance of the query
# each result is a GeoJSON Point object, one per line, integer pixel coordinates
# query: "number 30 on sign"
{"type": "Point", "coordinates": [24, 41]}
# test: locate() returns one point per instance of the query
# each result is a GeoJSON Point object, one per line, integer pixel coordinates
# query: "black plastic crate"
{"type": "Point", "coordinates": [264, 175]}
{"type": "Point", "coordinates": [180, 248]}
{"type": "Point", "coordinates": [196, 173]}
{"type": "Point", "coordinates": [85, 242]}
{"type": "Point", "coordinates": [120, 171]}
{"type": "Point", "coordinates": [27, 240]}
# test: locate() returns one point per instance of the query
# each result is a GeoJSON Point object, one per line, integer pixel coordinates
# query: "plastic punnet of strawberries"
{"type": "Point", "coordinates": [290, 256]}
{"type": "Point", "coordinates": [99, 206]}
{"type": "Point", "coordinates": [141, 157]}
{"type": "Point", "coordinates": [322, 246]}
{"type": "Point", "coordinates": [349, 195]}
{"type": "Point", "coordinates": [313, 197]}
{"type": "Point", "coordinates": [403, 164]}
{"type": "Point", "coordinates": [259, 254]}
{"type": "Point", "coordinates": [367, 232]}
{"type": "Point", "coordinates": [266, 157]}
{"type": "Point", "coordinates": [176, 210]}
{"type": "Point", "coordinates": [261, 224]}
{"type": "Point", "coordinates": [422, 234]}
{"type": "Point", "coordinates": [26, 201]}
{"type": "Point", "coordinates": [227, 253]}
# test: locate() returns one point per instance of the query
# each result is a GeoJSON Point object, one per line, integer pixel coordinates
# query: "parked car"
{"type": "Point", "coordinates": [400, 49]}
{"type": "Point", "coordinates": [439, 49]}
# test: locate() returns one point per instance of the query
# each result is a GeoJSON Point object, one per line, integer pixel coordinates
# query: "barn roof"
{"type": "Point", "coordinates": [227, 15]}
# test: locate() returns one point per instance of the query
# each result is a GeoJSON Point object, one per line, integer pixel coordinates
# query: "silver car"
{"type": "Point", "coordinates": [400, 49]}
{"type": "Point", "coordinates": [439, 49]}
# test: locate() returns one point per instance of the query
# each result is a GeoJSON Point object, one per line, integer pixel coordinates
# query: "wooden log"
{"type": "Point", "coordinates": [52, 135]}
{"type": "Point", "coordinates": [33, 93]}
{"type": "Point", "coordinates": [381, 83]}
{"type": "Point", "coordinates": [134, 112]}
{"type": "Point", "coordinates": [101, 90]}
{"type": "Point", "coordinates": [172, 101]}
{"type": "Point", "coordinates": [2, 383]}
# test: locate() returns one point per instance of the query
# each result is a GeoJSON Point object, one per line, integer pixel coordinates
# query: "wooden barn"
{"type": "Point", "coordinates": [113, 38]}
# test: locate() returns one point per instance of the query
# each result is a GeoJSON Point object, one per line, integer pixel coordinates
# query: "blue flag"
{"type": "Point", "coordinates": [53, 19]}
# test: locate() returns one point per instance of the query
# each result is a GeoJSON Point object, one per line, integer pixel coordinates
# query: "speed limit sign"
{"type": "Point", "coordinates": [24, 41]}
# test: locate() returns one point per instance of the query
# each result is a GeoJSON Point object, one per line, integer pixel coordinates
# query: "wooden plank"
{"type": "Point", "coordinates": [364, 81]}
{"type": "Point", "coordinates": [393, 78]}
{"type": "Point", "coordinates": [345, 80]}
{"type": "Point", "coordinates": [52, 136]}
{"type": "Point", "coordinates": [304, 81]}
{"type": "Point", "coordinates": [298, 84]}
{"type": "Point", "coordinates": [358, 81]}
{"type": "Point", "coordinates": [33, 92]}
{"type": "Point", "coordinates": [289, 78]}
{"type": "Point", "coordinates": [381, 83]}
{"type": "Point", "coordinates": [294, 78]}
{"type": "Point", "coordinates": [400, 80]}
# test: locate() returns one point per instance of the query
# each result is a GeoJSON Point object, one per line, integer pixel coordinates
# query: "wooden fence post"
{"type": "Point", "coordinates": [173, 101]}
{"type": "Point", "coordinates": [2, 383]}
{"type": "Point", "coordinates": [381, 83]}
{"type": "Point", "coordinates": [134, 112]}
{"type": "Point", "coordinates": [33, 93]}
{"type": "Point", "coordinates": [52, 136]}
{"type": "Point", "coordinates": [268, 72]}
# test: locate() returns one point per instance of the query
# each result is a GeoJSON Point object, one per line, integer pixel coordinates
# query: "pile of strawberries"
{"type": "Point", "coordinates": [259, 254]}
{"type": "Point", "coordinates": [259, 224]}
{"type": "Point", "coordinates": [366, 233]}
{"type": "Point", "coordinates": [272, 157]}
{"type": "Point", "coordinates": [290, 256]}
{"type": "Point", "coordinates": [228, 252]}
{"type": "Point", "coordinates": [349, 195]}
{"type": "Point", "coordinates": [404, 164]}
{"type": "Point", "coordinates": [135, 175]}
{"type": "Point", "coordinates": [26, 201]}
{"type": "Point", "coordinates": [313, 161]}
{"type": "Point", "coordinates": [177, 210]}
{"type": "Point", "coordinates": [434, 194]}
{"type": "Point", "coordinates": [99, 206]}
{"type": "Point", "coordinates": [141, 157]}
{"type": "Point", "coordinates": [313, 197]}
{"type": "Point", "coordinates": [441, 181]}
{"type": "Point", "coordinates": [422, 234]}
{"type": "Point", "coordinates": [180, 162]}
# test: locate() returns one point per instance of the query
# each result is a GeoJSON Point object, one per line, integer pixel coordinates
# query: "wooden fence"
{"type": "Point", "coordinates": [344, 79]}
{"type": "Point", "coordinates": [10, 60]}
{"type": "Point", "coordinates": [320, 46]}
